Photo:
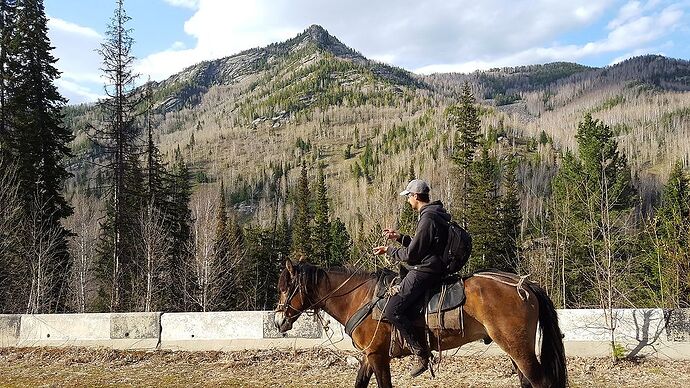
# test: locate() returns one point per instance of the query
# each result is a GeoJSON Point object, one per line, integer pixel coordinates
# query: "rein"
{"type": "Point", "coordinates": [300, 287]}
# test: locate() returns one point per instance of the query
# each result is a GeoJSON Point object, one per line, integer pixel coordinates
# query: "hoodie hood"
{"type": "Point", "coordinates": [437, 208]}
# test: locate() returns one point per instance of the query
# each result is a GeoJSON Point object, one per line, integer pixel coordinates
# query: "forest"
{"type": "Point", "coordinates": [190, 193]}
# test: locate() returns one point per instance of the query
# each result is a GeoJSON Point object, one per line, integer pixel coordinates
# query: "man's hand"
{"type": "Point", "coordinates": [390, 234]}
{"type": "Point", "coordinates": [380, 250]}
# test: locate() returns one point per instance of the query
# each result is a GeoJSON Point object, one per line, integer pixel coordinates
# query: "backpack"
{"type": "Point", "coordinates": [458, 247]}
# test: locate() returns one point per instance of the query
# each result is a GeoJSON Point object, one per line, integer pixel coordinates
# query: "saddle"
{"type": "Point", "coordinates": [441, 308]}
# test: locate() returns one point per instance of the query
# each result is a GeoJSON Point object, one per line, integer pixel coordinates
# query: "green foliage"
{"type": "Point", "coordinates": [301, 227]}
{"type": "Point", "coordinates": [593, 197]}
{"type": "Point", "coordinates": [465, 120]}
{"type": "Point", "coordinates": [482, 215]}
{"type": "Point", "coordinates": [510, 219]}
{"type": "Point", "coordinates": [609, 103]}
{"type": "Point", "coordinates": [506, 99]}
{"type": "Point", "coordinates": [408, 217]}
{"type": "Point", "coordinates": [321, 230]}
{"type": "Point", "coordinates": [671, 239]}
{"type": "Point", "coordinates": [341, 243]}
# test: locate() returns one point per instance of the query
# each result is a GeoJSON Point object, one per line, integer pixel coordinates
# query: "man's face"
{"type": "Point", "coordinates": [412, 200]}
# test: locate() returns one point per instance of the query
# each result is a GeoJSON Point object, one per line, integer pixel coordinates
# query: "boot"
{"type": "Point", "coordinates": [420, 354]}
{"type": "Point", "coordinates": [419, 365]}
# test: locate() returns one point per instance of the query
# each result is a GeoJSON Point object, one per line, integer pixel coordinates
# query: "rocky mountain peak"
{"type": "Point", "coordinates": [319, 36]}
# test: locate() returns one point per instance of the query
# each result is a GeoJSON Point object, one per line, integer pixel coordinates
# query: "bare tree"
{"type": "Point", "coordinates": [40, 247]}
{"type": "Point", "coordinates": [153, 248]}
{"type": "Point", "coordinates": [10, 225]}
{"type": "Point", "coordinates": [84, 223]}
{"type": "Point", "coordinates": [214, 267]}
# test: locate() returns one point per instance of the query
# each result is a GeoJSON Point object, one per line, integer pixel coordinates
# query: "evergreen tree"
{"type": "Point", "coordinates": [8, 65]}
{"type": "Point", "coordinates": [117, 137]}
{"type": "Point", "coordinates": [592, 197]}
{"type": "Point", "coordinates": [321, 233]}
{"type": "Point", "coordinates": [482, 214]}
{"type": "Point", "coordinates": [673, 232]}
{"type": "Point", "coordinates": [464, 118]}
{"type": "Point", "coordinates": [301, 228]}
{"type": "Point", "coordinates": [510, 219]}
{"type": "Point", "coordinates": [341, 243]}
{"type": "Point", "coordinates": [32, 129]}
{"type": "Point", "coordinates": [408, 217]}
{"type": "Point", "coordinates": [177, 279]}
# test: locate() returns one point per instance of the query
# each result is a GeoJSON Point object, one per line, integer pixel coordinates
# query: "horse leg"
{"type": "Point", "coordinates": [524, 383]}
{"type": "Point", "coordinates": [382, 369]}
{"type": "Point", "coordinates": [521, 351]}
{"type": "Point", "coordinates": [364, 374]}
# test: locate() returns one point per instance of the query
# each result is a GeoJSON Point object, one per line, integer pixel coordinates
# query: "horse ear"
{"type": "Point", "coordinates": [290, 267]}
{"type": "Point", "coordinates": [302, 259]}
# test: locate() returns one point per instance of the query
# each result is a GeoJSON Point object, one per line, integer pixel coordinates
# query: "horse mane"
{"type": "Point", "coordinates": [310, 274]}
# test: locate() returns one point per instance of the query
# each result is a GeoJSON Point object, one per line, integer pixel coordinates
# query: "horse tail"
{"type": "Point", "coordinates": [552, 351]}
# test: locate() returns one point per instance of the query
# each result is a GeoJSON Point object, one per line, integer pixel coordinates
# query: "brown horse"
{"type": "Point", "coordinates": [493, 309]}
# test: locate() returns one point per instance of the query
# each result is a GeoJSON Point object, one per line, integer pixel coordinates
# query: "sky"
{"type": "Point", "coordinates": [423, 36]}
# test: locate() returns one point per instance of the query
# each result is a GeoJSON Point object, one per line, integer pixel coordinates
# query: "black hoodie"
{"type": "Point", "coordinates": [423, 251]}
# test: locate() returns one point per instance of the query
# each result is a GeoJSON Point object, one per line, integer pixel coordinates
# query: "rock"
{"type": "Point", "coordinates": [352, 362]}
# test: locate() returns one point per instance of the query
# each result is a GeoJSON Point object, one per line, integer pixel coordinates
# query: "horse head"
{"type": "Point", "coordinates": [292, 301]}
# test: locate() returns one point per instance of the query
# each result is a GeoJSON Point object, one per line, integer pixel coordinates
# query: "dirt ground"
{"type": "Point", "coordinates": [297, 368]}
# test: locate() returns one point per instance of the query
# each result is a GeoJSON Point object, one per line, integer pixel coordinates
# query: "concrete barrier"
{"type": "Point", "coordinates": [9, 330]}
{"type": "Point", "coordinates": [641, 332]}
{"type": "Point", "coordinates": [118, 331]}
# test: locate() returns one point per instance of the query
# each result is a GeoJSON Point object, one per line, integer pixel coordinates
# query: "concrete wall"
{"type": "Point", "coordinates": [652, 332]}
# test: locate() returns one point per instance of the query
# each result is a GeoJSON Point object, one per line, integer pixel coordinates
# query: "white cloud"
{"type": "Point", "coordinates": [629, 33]}
{"type": "Point", "coordinates": [78, 61]}
{"type": "Point", "coordinates": [410, 34]}
{"type": "Point", "coordinates": [77, 93]}
{"type": "Point", "coordinates": [183, 3]}
{"type": "Point", "coordinates": [422, 35]}
{"type": "Point", "coordinates": [71, 28]}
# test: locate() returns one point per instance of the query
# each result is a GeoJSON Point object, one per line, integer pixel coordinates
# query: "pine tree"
{"type": "Point", "coordinates": [482, 214]}
{"type": "Point", "coordinates": [408, 217]}
{"type": "Point", "coordinates": [32, 125]}
{"type": "Point", "coordinates": [321, 233]}
{"type": "Point", "coordinates": [178, 280]}
{"type": "Point", "coordinates": [510, 219]}
{"type": "Point", "coordinates": [117, 137]}
{"type": "Point", "coordinates": [301, 227]}
{"type": "Point", "coordinates": [341, 243]}
{"type": "Point", "coordinates": [673, 230]}
{"type": "Point", "coordinates": [465, 120]}
{"type": "Point", "coordinates": [8, 66]}
{"type": "Point", "coordinates": [592, 198]}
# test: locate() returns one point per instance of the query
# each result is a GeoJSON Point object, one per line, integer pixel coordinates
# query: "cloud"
{"type": "Point", "coordinates": [420, 35]}
{"type": "Point", "coordinates": [193, 4]}
{"type": "Point", "coordinates": [79, 63]}
{"type": "Point", "coordinates": [77, 93]}
{"type": "Point", "coordinates": [406, 33]}
{"type": "Point", "coordinates": [629, 33]}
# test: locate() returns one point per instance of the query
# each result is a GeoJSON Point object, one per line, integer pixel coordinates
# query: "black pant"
{"type": "Point", "coordinates": [400, 307]}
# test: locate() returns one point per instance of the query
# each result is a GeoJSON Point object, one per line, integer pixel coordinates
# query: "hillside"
{"type": "Point", "coordinates": [253, 116]}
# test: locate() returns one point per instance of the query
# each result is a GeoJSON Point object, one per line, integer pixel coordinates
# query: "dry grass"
{"type": "Point", "coordinates": [296, 368]}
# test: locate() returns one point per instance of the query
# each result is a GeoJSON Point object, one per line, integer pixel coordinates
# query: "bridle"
{"type": "Point", "coordinates": [283, 307]}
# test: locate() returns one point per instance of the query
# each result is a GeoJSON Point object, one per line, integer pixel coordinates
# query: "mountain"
{"type": "Point", "coordinates": [300, 56]}
{"type": "Point", "coordinates": [253, 117]}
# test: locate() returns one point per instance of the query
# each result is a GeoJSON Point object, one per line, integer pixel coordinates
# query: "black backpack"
{"type": "Point", "coordinates": [458, 247]}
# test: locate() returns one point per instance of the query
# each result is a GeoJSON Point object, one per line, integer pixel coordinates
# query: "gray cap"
{"type": "Point", "coordinates": [416, 186]}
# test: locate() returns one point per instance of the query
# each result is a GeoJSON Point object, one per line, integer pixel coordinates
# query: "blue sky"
{"type": "Point", "coordinates": [424, 36]}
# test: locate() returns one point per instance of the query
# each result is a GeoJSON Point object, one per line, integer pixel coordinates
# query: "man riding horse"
{"type": "Point", "coordinates": [422, 256]}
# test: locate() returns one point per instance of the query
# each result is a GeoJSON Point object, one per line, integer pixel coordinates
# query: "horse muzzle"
{"type": "Point", "coordinates": [281, 322]}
